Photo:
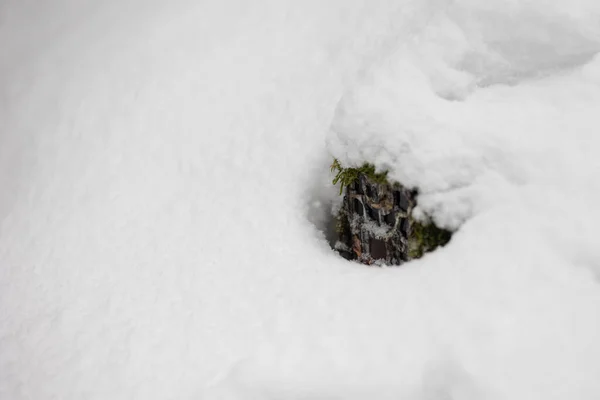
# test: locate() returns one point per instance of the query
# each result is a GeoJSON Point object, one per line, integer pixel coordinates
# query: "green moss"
{"type": "Point", "coordinates": [347, 176]}
{"type": "Point", "coordinates": [426, 237]}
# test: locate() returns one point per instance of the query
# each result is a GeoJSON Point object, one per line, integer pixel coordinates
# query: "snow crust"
{"type": "Point", "coordinates": [165, 199]}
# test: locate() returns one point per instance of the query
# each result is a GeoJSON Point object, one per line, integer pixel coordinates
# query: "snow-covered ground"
{"type": "Point", "coordinates": [165, 193]}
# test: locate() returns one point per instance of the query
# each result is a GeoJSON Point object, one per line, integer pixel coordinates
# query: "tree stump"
{"type": "Point", "coordinates": [375, 224]}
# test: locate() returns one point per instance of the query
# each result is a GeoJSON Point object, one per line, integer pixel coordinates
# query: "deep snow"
{"type": "Point", "coordinates": [165, 197]}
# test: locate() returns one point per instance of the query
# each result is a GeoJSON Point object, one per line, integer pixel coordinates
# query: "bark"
{"type": "Point", "coordinates": [375, 225]}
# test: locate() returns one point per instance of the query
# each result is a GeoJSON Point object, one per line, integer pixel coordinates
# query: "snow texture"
{"type": "Point", "coordinates": [165, 199]}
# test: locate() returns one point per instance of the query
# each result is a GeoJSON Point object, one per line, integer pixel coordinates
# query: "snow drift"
{"type": "Point", "coordinates": [165, 193]}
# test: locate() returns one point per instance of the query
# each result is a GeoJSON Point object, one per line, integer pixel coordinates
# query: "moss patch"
{"type": "Point", "coordinates": [425, 237]}
{"type": "Point", "coordinates": [345, 176]}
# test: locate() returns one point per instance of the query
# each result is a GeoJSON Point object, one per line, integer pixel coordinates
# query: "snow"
{"type": "Point", "coordinates": [166, 195]}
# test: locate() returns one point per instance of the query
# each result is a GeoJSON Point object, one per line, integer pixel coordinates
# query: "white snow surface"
{"type": "Point", "coordinates": [165, 195]}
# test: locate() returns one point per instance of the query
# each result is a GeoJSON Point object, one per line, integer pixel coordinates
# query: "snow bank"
{"type": "Point", "coordinates": [164, 176]}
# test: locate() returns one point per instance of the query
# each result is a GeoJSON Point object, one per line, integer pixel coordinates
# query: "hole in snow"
{"type": "Point", "coordinates": [371, 223]}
